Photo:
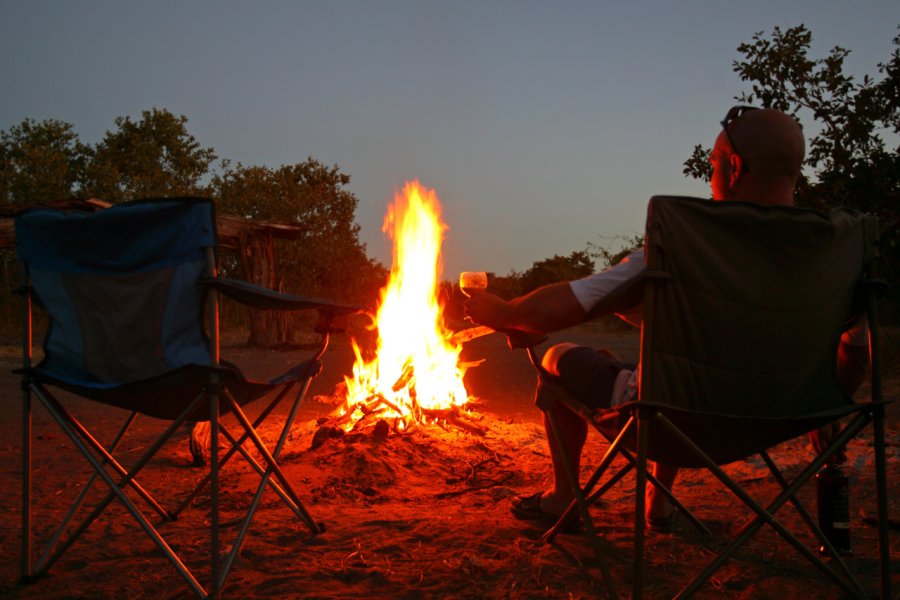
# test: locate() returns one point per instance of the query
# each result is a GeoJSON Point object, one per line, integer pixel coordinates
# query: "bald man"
{"type": "Point", "coordinates": [757, 157]}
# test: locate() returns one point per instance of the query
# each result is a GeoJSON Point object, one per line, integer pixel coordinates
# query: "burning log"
{"type": "Point", "coordinates": [466, 335]}
{"type": "Point", "coordinates": [379, 409]}
{"type": "Point", "coordinates": [453, 417]}
{"type": "Point", "coordinates": [373, 405]}
{"type": "Point", "coordinates": [406, 377]}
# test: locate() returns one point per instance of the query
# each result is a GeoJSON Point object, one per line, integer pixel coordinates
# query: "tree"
{"type": "Point", "coordinates": [43, 162]}
{"type": "Point", "coordinates": [153, 157]}
{"type": "Point", "coordinates": [850, 163]}
{"type": "Point", "coordinates": [559, 268]}
{"type": "Point", "coordinates": [608, 257]}
{"type": "Point", "coordinates": [326, 258]}
{"type": "Point", "coordinates": [40, 162]}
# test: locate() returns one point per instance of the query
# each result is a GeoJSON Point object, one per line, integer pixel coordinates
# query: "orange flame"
{"type": "Point", "coordinates": [415, 366]}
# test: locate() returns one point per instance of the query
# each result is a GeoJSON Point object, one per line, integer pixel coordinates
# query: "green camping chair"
{"type": "Point", "coordinates": [743, 310]}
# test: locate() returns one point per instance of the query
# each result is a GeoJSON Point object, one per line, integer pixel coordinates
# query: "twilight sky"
{"type": "Point", "coordinates": [542, 126]}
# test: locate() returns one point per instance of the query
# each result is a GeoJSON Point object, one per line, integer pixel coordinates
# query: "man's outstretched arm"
{"type": "Point", "coordinates": [548, 308]}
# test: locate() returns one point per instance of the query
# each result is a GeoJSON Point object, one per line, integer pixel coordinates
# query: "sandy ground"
{"type": "Point", "coordinates": [419, 515]}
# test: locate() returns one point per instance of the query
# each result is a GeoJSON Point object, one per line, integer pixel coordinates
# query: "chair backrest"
{"type": "Point", "coordinates": [750, 306]}
{"type": "Point", "coordinates": [120, 286]}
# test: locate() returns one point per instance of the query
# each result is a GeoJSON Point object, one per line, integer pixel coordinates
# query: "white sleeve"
{"type": "Point", "coordinates": [594, 288]}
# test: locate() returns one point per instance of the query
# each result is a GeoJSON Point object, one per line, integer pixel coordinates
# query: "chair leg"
{"type": "Point", "coordinates": [85, 444]}
{"type": "Point", "coordinates": [266, 480]}
{"type": "Point", "coordinates": [79, 501]}
{"type": "Point", "coordinates": [286, 492]}
{"type": "Point", "coordinates": [254, 464]}
{"type": "Point", "coordinates": [583, 509]}
{"type": "Point", "coordinates": [639, 505]}
{"type": "Point", "coordinates": [682, 509]}
{"type": "Point", "coordinates": [273, 464]}
{"type": "Point", "coordinates": [108, 458]}
{"type": "Point", "coordinates": [26, 566]}
{"type": "Point", "coordinates": [764, 515]}
{"type": "Point", "coordinates": [810, 522]}
{"type": "Point", "coordinates": [117, 491]}
{"type": "Point", "coordinates": [611, 452]}
{"type": "Point", "coordinates": [298, 509]}
{"type": "Point", "coordinates": [236, 446]}
{"type": "Point", "coordinates": [881, 486]}
{"type": "Point", "coordinates": [214, 411]}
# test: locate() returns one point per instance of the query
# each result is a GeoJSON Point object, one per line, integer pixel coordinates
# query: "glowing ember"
{"type": "Point", "coordinates": [415, 373]}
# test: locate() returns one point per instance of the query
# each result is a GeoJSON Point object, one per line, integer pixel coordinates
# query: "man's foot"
{"type": "Point", "coordinates": [528, 508]}
{"type": "Point", "coordinates": [664, 523]}
{"type": "Point", "coordinates": [660, 515]}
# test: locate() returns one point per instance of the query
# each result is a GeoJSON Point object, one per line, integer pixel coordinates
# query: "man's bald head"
{"type": "Point", "coordinates": [770, 142]}
{"type": "Point", "coordinates": [758, 158]}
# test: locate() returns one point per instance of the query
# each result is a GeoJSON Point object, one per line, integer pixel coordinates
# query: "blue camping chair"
{"type": "Point", "coordinates": [131, 295]}
{"type": "Point", "coordinates": [743, 309]}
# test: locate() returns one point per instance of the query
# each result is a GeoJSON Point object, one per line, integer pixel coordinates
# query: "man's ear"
{"type": "Point", "coordinates": [737, 167]}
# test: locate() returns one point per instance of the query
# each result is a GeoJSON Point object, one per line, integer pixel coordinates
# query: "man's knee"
{"type": "Point", "coordinates": [554, 354]}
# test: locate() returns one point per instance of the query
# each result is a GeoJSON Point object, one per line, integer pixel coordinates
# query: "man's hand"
{"type": "Point", "coordinates": [487, 309]}
{"type": "Point", "coordinates": [821, 438]}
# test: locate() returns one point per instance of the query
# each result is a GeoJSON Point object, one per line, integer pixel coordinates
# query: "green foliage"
{"type": "Point", "coordinates": [154, 157]}
{"type": "Point", "coordinates": [607, 257]}
{"type": "Point", "coordinates": [845, 123]}
{"type": "Point", "coordinates": [327, 258]}
{"type": "Point", "coordinates": [576, 265]}
{"type": "Point", "coordinates": [40, 161]}
{"type": "Point", "coordinates": [850, 115]}
{"type": "Point", "coordinates": [558, 268]}
{"type": "Point", "coordinates": [698, 165]}
{"type": "Point", "coordinates": [506, 286]}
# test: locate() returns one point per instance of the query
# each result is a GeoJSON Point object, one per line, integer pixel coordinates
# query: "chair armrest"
{"type": "Point", "coordinates": [518, 339]}
{"type": "Point", "coordinates": [263, 298]}
{"type": "Point", "coordinates": [332, 314]}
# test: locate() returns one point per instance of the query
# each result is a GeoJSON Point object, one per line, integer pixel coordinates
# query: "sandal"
{"type": "Point", "coordinates": [662, 524]}
{"type": "Point", "coordinates": [528, 508]}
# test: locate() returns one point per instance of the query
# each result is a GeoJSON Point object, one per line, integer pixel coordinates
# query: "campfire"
{"type": "Point", "coordinates": [414, 375]}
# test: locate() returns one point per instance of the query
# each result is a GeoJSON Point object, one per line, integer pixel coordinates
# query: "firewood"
{"type": "Point", "coordinates": [452, 416]}
{"type": "Point", "coordinates": [405, 377]}
{"type": "Point", "coordinates": [379, 399]}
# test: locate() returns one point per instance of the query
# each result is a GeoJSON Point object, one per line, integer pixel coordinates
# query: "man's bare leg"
{"type": "Point", "coordinates": [658, 507]}
{"type": "Point", "coordinates": [573, 431]}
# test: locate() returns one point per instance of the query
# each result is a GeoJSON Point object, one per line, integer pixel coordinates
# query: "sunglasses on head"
{"type": "Point", "coordinates": [734, 113]}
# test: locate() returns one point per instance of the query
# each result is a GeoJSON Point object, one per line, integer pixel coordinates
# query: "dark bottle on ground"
{"type": "Point", "coordinates": [833, 502]}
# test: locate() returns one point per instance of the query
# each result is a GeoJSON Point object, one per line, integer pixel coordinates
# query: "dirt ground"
{"type": "Point", "coordinates": [419, 515]}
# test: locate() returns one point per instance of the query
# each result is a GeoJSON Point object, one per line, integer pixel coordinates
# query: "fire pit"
{"type": "Point", "coordinates": [414, 375]}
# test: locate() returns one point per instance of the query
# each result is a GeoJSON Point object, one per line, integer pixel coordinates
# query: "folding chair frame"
{"type": "Point", "coordinates": [643, 415]}
{"type": "Point", "coordinates": [121, 480]}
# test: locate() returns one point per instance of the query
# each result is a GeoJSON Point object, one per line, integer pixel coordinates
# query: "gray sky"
{"type": "Point", "coordinates": [542, 126]}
